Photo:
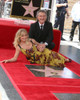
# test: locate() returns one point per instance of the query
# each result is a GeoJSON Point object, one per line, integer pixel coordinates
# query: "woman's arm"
{"type": "Point", "coordinates": [40, 46]}
{"type": "Point", "coordinates": [34, 41]}
{"type": "Point", "coordinates": [17, 51]}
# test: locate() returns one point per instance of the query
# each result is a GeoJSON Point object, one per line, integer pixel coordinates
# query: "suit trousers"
{"type": "Point", "coordinates": [74, 25]}
{"type": "Point", "coordinates": [59, 22]}
{"type": "Point", "coordinates": [51, 46]}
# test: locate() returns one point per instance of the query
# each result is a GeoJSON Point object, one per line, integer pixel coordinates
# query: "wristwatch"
{"type": "Point", "coordinates": [46, 43]}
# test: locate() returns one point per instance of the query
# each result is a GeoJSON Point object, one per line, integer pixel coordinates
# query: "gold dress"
{"type": "Point", "coordinates": [47, 57]}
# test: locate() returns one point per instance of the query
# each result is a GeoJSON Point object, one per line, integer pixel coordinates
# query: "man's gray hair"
{"type": "Point", "coordinates": [43, 11]}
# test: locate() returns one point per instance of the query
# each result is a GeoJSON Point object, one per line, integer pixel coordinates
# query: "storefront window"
{"type": "Point", "coordinates": [5, 8]}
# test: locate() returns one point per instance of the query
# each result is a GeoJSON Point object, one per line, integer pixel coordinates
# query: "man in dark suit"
{"type": "Point", "coordinates": [42, 31]}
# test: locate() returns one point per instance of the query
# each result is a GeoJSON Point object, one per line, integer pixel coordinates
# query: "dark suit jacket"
{"type": "Point", "coordinates": [41, 36]}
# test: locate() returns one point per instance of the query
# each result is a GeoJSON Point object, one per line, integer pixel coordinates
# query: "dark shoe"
{"type": "Point", "coordinates": [68, 60]}
{"type": "Point", "coordinates": [63, 39]}
{"type": "Point", "coordinates": [71, 38]}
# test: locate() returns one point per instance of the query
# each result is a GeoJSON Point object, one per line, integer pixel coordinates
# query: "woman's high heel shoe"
{"type": "Point", "coordinates": [68, 60]}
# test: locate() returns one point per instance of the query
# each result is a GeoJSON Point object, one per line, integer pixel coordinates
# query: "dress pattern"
{"type": "Point", "coordinates": [47, 57]}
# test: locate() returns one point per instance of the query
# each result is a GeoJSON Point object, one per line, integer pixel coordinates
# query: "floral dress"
{"type": "Point", "coordinates": [46, 57]}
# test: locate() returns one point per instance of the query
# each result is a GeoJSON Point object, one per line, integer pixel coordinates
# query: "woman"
{"type": "Point", "coordinates": [31, 49]}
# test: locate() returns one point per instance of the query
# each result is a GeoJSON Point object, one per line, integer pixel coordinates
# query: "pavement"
{"type": "Point", "coordinates": [74, 43]}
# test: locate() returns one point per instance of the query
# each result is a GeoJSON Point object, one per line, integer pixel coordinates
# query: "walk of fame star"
{"type": "Point", "coordinates": [49, 71]}
{"type": "Point", "coordinates": [29, 9]}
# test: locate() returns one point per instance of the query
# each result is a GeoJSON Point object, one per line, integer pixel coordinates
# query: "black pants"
{"type": "Point", "coordinates": [59, 22]}
{"type": "Point", "coordinates": [51, 45]}
{"type": "Point", "coordinates": [74, 25]}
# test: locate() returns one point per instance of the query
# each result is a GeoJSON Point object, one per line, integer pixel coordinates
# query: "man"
{"type": "Point", "coordinates": [42, 31]}
{"type": "Point", "coordinates": [62, 9]}
{"type": "Point", "coordinates": [75, 14]}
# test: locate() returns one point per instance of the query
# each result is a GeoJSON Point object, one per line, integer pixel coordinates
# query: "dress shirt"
{"type": "Point", "coordinates": [75, 13]}
{"type": "Point", "coordinates": [42, 26]}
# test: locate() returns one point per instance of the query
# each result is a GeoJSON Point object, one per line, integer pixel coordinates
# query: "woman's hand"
{"type": "Point", "coordinates": [5, 61]}
{"type": "Point", "coordinates": [14, 58]}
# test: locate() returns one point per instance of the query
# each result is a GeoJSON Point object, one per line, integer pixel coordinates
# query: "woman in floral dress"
{"type": "Point", "coordinates": [34, 52]}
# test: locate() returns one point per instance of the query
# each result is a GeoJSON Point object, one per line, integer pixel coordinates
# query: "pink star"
{"type": "Point", "coordinates": [29, 9]}
{"type": "Point", "coordinates": [66, 73]}
{"type": "Point", "coordinates": [49, 71]}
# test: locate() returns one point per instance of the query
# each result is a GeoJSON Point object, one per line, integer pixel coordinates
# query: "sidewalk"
{"type": "Point", "coordinates": [74, 43]}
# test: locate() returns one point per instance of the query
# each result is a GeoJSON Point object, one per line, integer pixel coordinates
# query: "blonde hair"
{"type": "Point", "coordinates": [18, 36]}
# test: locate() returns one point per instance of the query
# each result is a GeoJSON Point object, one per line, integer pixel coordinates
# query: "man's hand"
{"type": "Point", "coordinates": [65, 4]}
{"type": "Point", "coordinates": [67, 16]}
{"type": "Point", "coordinates": [67, 13]}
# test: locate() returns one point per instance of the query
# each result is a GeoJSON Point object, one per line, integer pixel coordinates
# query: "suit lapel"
{"type": "Point", "coordinates": [37, 25]}
{"type": "Point", "coordinates": [45, 26]}
{"type": "Point", "coordinates": [38, 30]}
